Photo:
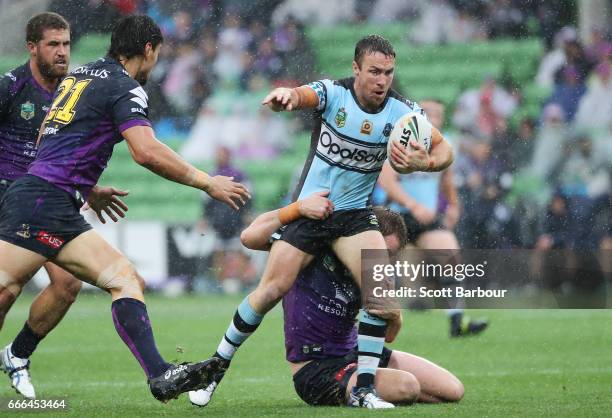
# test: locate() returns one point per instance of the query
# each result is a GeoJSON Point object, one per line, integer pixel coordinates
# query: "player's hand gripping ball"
{"type": "Point", "coordinates": [412, 127]}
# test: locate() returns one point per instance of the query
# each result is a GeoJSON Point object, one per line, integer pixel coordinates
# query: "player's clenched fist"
{"type": "Point", "coordinates": [281, 98]}
{"type": "Point", "coordinates": [316, 206]}
{"type": "Point", "coordinates": [410, 159]}
{"type": "Point", "coordinates": [226, 190]}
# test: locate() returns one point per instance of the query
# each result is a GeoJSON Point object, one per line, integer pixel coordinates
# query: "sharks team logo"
{"type": "Point", "coordinates": [387, 130]}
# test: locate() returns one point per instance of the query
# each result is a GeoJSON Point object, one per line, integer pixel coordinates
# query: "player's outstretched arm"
{"type": "Point", "coordinates": [147, 151]}
{"type": "Point", "coordinates": [257, 235]}
{"type": "Point", "coordinates": [288, 99]}
{"type": "Point", "coordinates": [103, 199]}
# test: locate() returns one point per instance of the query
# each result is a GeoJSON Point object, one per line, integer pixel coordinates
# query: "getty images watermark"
{"type": "Point", "coordinates": [403, 269]}
{"type": "Point", "coordinates": [487, 278]}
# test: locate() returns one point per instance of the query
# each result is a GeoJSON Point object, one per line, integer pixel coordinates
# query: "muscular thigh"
{"type": "Point", "coordinates": [59, 276]}
{"type": "Point", "coordinates": [91, 258]}
{"type": "Point", "coordinates": [17, 265]}
{"type": "Point", "coordinates": [284, 263]}
{"type": "Point", "coordinates": [435, 381]}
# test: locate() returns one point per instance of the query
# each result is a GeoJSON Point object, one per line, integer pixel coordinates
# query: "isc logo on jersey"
{"type": "Point", "coordinates": [349, 154]}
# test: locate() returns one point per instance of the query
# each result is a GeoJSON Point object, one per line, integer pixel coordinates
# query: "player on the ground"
{"type": "Point", "coordinates": [95, 107]}
{"type": "Point", "coordinates": [416, 197]}
{"type": "Point", "coordinates": [26, 93]}
{"type": "Point", "coordinates": [355, 118]}
{"type": "Point", "coordinates": [320, 313]}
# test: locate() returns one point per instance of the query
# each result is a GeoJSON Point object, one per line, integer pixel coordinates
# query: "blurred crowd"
{"type": "Point", "coordinates": [545, 182]}
{"type": "Point", "coordinates": [541, 181]}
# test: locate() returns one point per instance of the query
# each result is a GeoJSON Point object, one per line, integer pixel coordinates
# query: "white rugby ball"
{"type": "Point", "coordinates": [412, 126]}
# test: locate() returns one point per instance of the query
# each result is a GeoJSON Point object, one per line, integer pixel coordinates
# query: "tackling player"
{"type": "Point", "coordinates": [95, 107]}
{"type": "Point", "coordinates": [355, 118]}
{"type": "Point", "coordinates": [25, 97]}
{"type": "Point", "coordinates": [415, 196]}
{"type": "Point", "coordinates": [320, 313]}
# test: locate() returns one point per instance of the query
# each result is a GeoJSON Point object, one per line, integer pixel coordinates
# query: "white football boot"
{"type": "Point", "coordinates": [366, 397]}
{"type": "Point", "coordinates": [203, 396]}
{"type": "Point", "coordinates": [17, 370]}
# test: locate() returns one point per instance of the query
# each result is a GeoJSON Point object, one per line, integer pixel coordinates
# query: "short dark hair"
{"type": "Point", "coordinates": [43, 21]}
{"type": "Point", "coordinates": [373, 43]}
{"type": "Point", "coordinates": [131, 34]}
{"type": "Point", "coordinates": [390, 222]}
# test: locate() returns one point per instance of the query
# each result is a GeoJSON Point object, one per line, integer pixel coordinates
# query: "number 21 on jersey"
{"type": "Point", "coordinates": [69, 93]}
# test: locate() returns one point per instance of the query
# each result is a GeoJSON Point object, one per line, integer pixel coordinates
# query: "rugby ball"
{"type": "Point", "coordinates": [412, 126]}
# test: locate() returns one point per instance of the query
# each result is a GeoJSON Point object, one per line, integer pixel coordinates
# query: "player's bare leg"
{"type": "Point", "coordinates": [410, 378]}
{"type": "Point", "coordinates": [7, 298]}
{"type": "Point", "coordinates": [284, 263]}
{"type": "Point", "coordinates": [53, 301]}
{"type": "Point", "coordinates": [91, 258]}
{"type": "Point", "coordinates": [47, 310]}
{"type": "Point", "coordinates": [460, 325]}
{"type": "Point", "coordinates": [396, 386]}
{"type": "Point", "coordinates": [17, 266]}
{"type": "Point", "coordinates": [372, 329]}
{"type": "Point", "coordinates": [437, 384]}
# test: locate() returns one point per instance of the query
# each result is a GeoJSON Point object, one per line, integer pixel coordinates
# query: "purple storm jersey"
{"type": "Point", "coordinates": [320, 311]}
{"type": "Point", "coordinates": [92, 106]}
{"type": "Point", "coordinates": [23, 106]}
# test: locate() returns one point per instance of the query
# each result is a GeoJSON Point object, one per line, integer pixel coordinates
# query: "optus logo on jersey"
{"type": "Point", "coordinates": [92, 73]}
{"type": "Point", "coordinates": [351, 155]}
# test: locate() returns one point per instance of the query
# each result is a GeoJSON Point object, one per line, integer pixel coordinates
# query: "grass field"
{"type": "Point", "coordinates": [529, 363]}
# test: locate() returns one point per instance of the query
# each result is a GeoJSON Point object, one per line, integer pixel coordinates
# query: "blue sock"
{"type": "Point", "coordinates": [244, 323]}
{"type": "Point", "coordinates": [370, 343]}
{"type": "Point", "coordinates": [133, 326]}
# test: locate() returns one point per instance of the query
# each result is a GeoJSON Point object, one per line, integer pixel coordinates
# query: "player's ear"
{"type": "Point", "coordinates": [355, 68]}
{"type": "Point", "coordinates": [148, 51]}
{"type": "Point", "coordinates": [31, 47]}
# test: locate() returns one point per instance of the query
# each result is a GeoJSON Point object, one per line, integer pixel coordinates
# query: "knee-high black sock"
{"type": "Point", "coordinates": [25, 342]}
{"type": "Point", "coordinates": [133, 325]}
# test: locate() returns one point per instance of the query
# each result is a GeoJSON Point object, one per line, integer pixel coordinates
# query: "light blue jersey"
{"type": "Point", "coordinates": [349, 144]}
{"type": "Point", "coordinates": [423, 187]}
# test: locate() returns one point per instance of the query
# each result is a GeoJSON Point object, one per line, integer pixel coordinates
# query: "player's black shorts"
{"type": "Point", "coordinates": [39, 216]}
{"type": "Point", "coordinates": [324, 382]}
{"type": "Point", "coordinates": [415, 229]}
{"type": "Point", "coordinates": [313, 236]}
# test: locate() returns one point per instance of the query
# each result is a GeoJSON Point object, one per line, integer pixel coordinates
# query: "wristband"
{"type": "Point", "coordinates": [197, 178]}
{"type": "Point", "coordinates": [289, 213]}
{"type": "Point", "coordinates": [307, 98]}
